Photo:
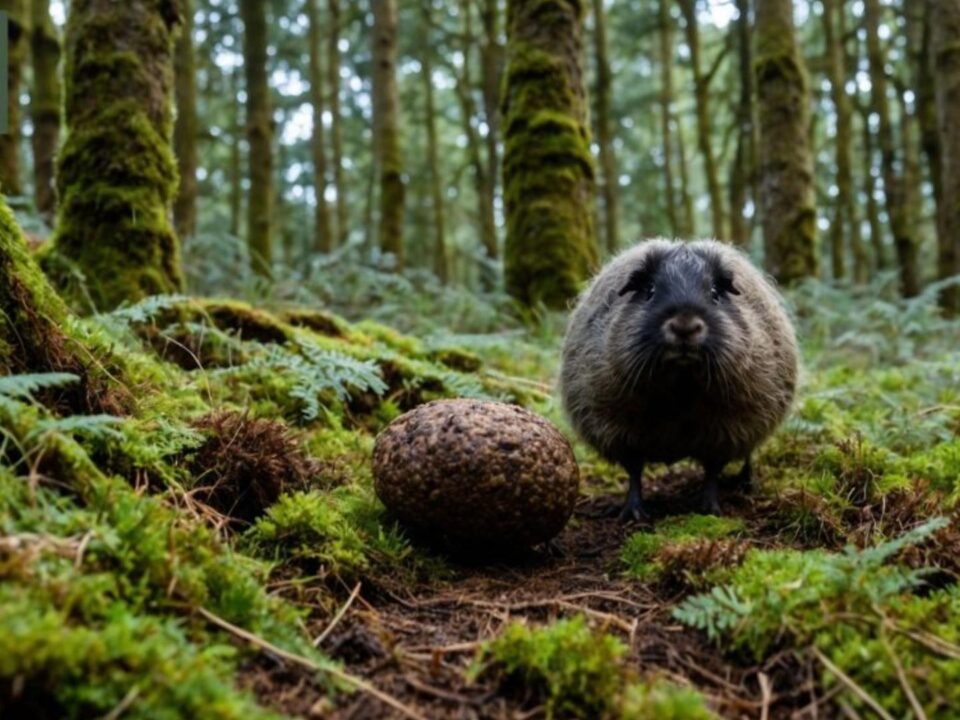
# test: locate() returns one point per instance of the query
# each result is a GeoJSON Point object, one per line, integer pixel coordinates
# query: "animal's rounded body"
{"type": "Point", "coordinates": [679, 350]}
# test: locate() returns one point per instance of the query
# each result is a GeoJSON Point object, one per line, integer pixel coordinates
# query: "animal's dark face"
{"type": "Point", "coordinates": [677, 313]}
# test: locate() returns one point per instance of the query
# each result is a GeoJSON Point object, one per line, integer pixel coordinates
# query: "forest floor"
{"type": "Point", "coordinates": [417, 643]}
{"type": "Point", "coordinates": [199, 537]}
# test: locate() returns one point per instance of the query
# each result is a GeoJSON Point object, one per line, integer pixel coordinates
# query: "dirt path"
{"type": "Point", "coordinates": [416, 643]}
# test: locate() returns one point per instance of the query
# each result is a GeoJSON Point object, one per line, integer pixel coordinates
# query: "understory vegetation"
{"type": "Point", "coordinates": [150, 560]}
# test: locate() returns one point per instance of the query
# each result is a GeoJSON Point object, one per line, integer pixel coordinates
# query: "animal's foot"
{"type": "Point", "coordinates": [633, 512]}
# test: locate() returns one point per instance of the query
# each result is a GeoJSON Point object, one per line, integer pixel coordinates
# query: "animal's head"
{"type": "Point", "coordinates": [677, 310]}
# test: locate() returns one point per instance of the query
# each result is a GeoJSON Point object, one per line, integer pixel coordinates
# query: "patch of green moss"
{"type": "Point", "coordinates": [640, 551]}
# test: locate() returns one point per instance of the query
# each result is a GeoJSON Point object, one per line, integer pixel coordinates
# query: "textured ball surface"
{"type": "Point", "coordinates": [476, 474]}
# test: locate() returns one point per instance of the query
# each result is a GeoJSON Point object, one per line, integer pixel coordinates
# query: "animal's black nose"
{"type": "Point", "coordinates": [685, 329]}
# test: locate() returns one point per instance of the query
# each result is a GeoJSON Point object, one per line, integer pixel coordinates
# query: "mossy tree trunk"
{"type": "Point", "coordinates": [877, 239]}
{"type": "Point", "coordinates": [786, 166]}
{"type": "Point", "coordinates": [741, 170]}
{"type": "Point", "coordinates": [548, 175]}
{"type": "Point", "coordinates": [185, 129]}
{"type": "Point", "coordinates": [117, 174]}
{"type": "Point", "coordinates": [45, 107]}
{"type": "Point", "coordinates": [386, 125]}
{"type": "Point", "coordinates": [441, 264]}
{"type": "Point", "coordinates": [323, 237]}
{"type": "Point", "coordinates": [608, 161]}
{"type": "Point", "coordinates": [705, 139]}
{"type": "Point", "coordinates": [336, 126]}
{"type": "Point", "coordinates": [260, 198]}
{"type": "Point", "coordinates": [895, 188]}
{"type": "Point", "coordinates": [665, 33]}
{"type": "Point", "coordinates": [36, 334]}
{"type": "Point", "coordinates": [945, 52]}
{"type": "Point", "coordinates": [18, 29]}
{"type": "Point", "coordinates": [686, 198]}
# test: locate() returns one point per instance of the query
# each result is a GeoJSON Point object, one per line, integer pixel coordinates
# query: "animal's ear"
{"type": "Point", "coordinates": [725, 282]}
{"type": "Point", "coordinates": [639, 280]}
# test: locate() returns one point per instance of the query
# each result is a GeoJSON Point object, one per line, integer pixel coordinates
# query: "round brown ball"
{"type": "Point", "coordinates": [476, 475]}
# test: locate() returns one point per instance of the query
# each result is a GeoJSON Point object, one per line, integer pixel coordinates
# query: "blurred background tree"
{"type": "Point", "coordinates": [366, 138]}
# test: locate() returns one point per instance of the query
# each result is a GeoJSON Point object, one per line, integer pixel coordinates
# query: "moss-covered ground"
{"type": "Point", "coordinates": [216, 550]}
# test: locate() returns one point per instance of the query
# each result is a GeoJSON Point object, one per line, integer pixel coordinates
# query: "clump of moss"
{"type": "Point", "coordinates": [645, 553]}
{"type": "Point", "coordinates": [246, 464]}
{"type": "Point", "coordinates": [578, 672]}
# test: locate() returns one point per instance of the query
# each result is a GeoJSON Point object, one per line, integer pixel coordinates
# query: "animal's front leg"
{"type": "Point", "coordinates": [744, 478]}
{"type": "Point", "coordinates": [633, 507]}
{"type": "Point", "coordinates": [709, 501]}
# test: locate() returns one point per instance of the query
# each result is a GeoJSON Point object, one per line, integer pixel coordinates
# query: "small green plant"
{"type": "Point", "coordinates": [639, 553]}
{"type": "Point", "coordinates": [578, 670]}
{"type": "Point", "coordinates": [661, 700]}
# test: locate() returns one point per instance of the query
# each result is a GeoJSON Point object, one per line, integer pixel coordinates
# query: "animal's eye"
{"type": "Point", "coordinates": [722, 287]}
{"type": "Point", "coordinates": [641, 283]}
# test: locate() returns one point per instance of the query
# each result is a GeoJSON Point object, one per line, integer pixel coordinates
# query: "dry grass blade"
{"type": "Point", "coordinates": [338, 617]}
{"type": "Point", "coordinates": [852, 685]}
{"type": "Point", "coordinates": [309, 664]}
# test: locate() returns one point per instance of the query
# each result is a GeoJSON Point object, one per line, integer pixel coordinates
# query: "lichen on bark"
{"type": "Point", "coordinates": [548, 172]}
{"type": "Point", "coordinates": [116, 172]}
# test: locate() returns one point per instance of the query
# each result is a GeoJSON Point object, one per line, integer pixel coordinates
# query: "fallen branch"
{"type": "Point", "coordinates": [851, 685]}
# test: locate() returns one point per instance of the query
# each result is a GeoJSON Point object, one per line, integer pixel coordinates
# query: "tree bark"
{"type": "Point", "coordinates": [877, 242]}
{"type": "Point", "coordinates": [902, 222]}
{"type": "Point", "coordinates": [259, 136]}
{"type": "Point", "coordinates": [844, 219]}
{"type": "Point", "coordinates": [945, 51]}
{"type": "Point", "coordinates": [666, 113]}
{"type": "Point", "coordinates": [704, 119]}
{"type": "Point", "coordinates": [491, 68]}
{"type": "Point", "coordinates": [114, 219]}
{"type": "Point", "coordinates": [185, 129]}
{"type": "Point", "coordinates": [548, 175]}
{"type": "Point", "coordinates": [18, 37]}
{"type": "Point", "coordinates": [323, 237]}
{"type": "Point", "coordinates": [608, 161]}
{"type": "Point", "coordinates": [336, 127]}
{"type": "Point", "coordinates": [441, 265]}
{"type": "Point", "coordinates": [786, 166]}
{"type": "Point", "coordinates": [386, 124]}
{"type": "Point", "coordinates": [742, 168]}
{"type": "Point", "coordinates": [45, 107]}
{"type": "Point", "coordinates": [686, 199]}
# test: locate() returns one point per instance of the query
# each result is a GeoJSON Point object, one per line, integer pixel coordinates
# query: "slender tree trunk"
{"type": "Point", "coordinates": [786, 165]}
{"type": "Point", "coordinates": [17, 49]}
{"type": "Point", "coordinates": [608, 161]}
{"type": "Point", "coordinates": [686, 198]}
{"type": "Point", "coordinates": [666, 113]}
{"type": "Point", "coordinates": [323, 237]}
{"type": "Point", "coordinates": [483, 183]}
{"type": "Point", "coordinates": [114, 219]}
{"type": "Point", "coordinates": [945, 24]}
{"type": "Point", "coordinates": [926, 93]}
{"type": "Point", "coordinates": [548, 176]}
{"type": "Point", "coordinates": [441, 265]}
{"type": "Point", "coordinates": [491, 62]}
{"type": "Point", "coordinates": [385, 109]}
{"type": "Point", "coordinates": [236, 169]}
{"type": "Point", "coordinates": [742, 168]}
{"type": "Point", "coordinates": [836, 73]}
{"type": "Point", "coordinates": [336, 128]}
{"type": "Point", "coordinates": [259, 135]}
{"type": "Point", "coordinates": [877, 242]}
{"type": "Point", "coordinates": [45, 107]}
{"type": "Point", "coordinates": [704, 119]}
{"type": "Point", "coordinates": [185, 130]}
{"type": "Point", "coordinates": [902, 223]}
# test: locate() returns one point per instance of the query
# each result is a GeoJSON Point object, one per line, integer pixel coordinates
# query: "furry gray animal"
{"type": "Point", "coordinates": [678, 350]}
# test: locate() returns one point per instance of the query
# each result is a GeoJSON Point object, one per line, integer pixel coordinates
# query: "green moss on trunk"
{"type": "Point", "coordinates": [45, 106]}
{"type": "Point", "coordinates": [18, 23]}
{"type": "Point", "coordinates": [185, 130]}
{"type": "Point", "coordinates": [786, 165]}
{"type": "Point", "coordinates": [548, 173]}
{"type": "Point", "coordinates": [117, 175]}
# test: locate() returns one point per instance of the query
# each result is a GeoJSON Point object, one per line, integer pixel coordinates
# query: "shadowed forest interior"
{"type": "Point", "coordinates": [240, 238]}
